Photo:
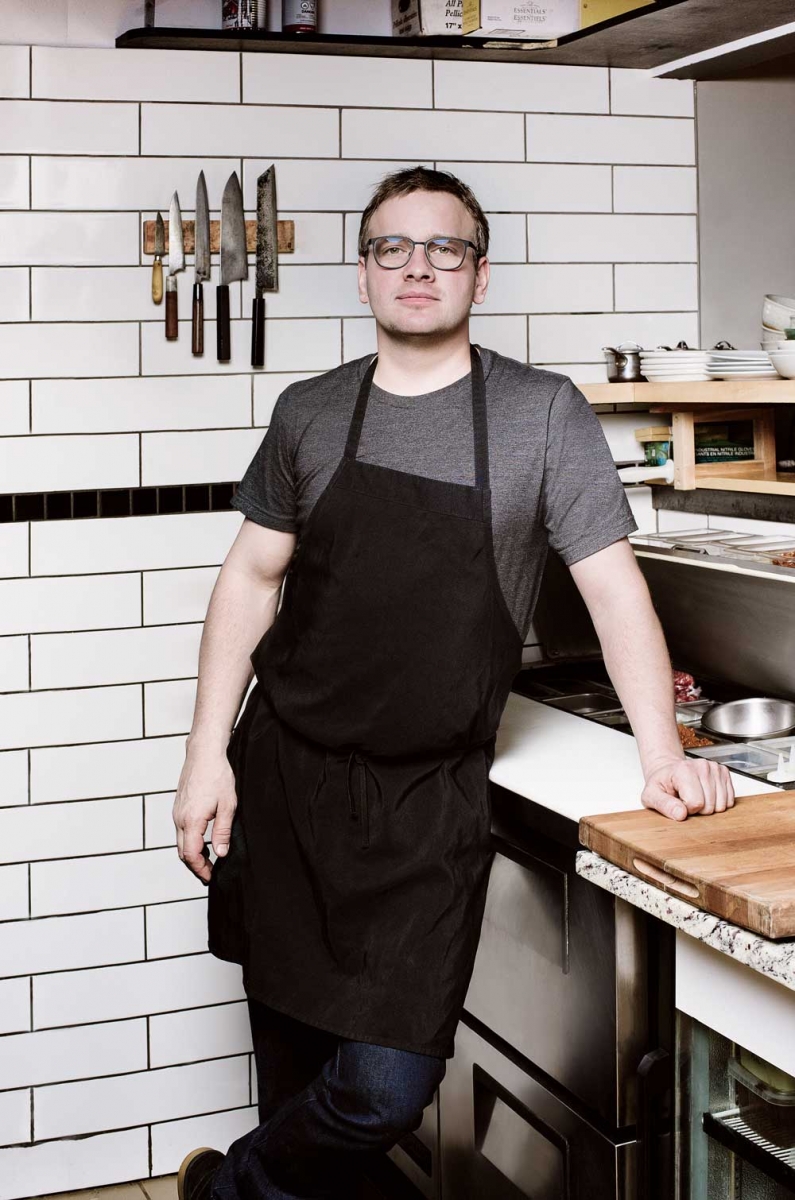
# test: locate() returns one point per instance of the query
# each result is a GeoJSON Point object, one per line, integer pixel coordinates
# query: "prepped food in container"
{"type": "Point", "coordinates": [690, 739]}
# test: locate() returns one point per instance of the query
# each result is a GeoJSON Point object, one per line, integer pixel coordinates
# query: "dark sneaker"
{"type": "Point", "coordinates": [195, 1177]}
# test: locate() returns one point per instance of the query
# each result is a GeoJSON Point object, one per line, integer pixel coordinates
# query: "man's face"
{"type": "Point", "coordinates": [418, 300]}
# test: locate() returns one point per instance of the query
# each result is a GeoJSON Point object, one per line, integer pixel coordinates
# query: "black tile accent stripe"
{"type": "Point", "coordinates": [116, 502]}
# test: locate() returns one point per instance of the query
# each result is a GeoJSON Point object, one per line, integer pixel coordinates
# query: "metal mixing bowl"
{"type": "Point", "coordinates": [756, 717]}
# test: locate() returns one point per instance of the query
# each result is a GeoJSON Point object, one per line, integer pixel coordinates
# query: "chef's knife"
{"type": "Point", "coordinates": [202, 264]}
{"type": "Point", "coordinates": [267, 260]}
{"type": "Point", "coordinates": [176, 262]}
{"type": "Point", "coordinates": [157, 265]}
{"type": "Point", "coordinates": [234, 261]}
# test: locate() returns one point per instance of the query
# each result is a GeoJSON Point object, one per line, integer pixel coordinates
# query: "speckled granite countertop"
{"type": "Point", "coordinates": [774, 959]}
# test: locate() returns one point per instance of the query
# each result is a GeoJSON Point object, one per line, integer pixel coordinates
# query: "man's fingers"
{"type": "Point", "coordinates": [663, 802]}
{"type": "Point", "coordinates": [690, 789]}
{"type": "Point", "coordinates": [194, 854]}
{"type": "Point", "coordinates": [222, 830]}
{"type": "Point", "coordinates": [721, 789]}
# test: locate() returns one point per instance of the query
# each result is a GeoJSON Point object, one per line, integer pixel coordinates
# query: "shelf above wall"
{"type": "Point", "coordinates": [724, 399]}
{"type": "Point", "coordinates": [688, 395]}
{"type": "Point", "coordinates": [647, 37]}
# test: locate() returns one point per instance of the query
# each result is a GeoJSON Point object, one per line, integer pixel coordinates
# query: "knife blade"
{"type": "Point", "coordinates": [176, 262]}
{"type": "Point", "coordinates": [202, 228]}
{"type": "Point", "coordinates": [157, 265]}
{"type": "Point", "coordinates": [234, 260]}
{"type": "Point", "coordinates": [267, 275]}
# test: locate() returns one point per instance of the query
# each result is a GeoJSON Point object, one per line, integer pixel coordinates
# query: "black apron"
{"type": "Point", "coordinates": [355, 881]}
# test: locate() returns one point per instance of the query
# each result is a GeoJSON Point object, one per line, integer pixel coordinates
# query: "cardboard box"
{"type": "Point", "coordinates": [593, 12]}
{"type": "Point", "coordinates": [530, 20]}
{"type": "Point", "coordinates": [426, 18]}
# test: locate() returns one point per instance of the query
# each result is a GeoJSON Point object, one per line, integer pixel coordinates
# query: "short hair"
{"type": "Point", "coordinates": [423, 179]}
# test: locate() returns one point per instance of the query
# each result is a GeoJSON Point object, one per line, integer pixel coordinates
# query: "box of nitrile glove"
{"type": "Point", "coordinates": [426, 18]}
{"type": "Point", "coordinates": [532, 20]}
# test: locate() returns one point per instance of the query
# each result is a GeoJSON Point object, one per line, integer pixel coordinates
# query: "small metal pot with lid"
{"type": "Point", "coordinates": [623, 363]}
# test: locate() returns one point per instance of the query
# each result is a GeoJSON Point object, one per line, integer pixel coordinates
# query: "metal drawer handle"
{"type": "Point", "coordinates": [666, 879]}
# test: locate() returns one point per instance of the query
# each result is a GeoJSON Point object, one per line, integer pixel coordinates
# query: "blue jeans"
{"type": "Point", "coordinates": [326, 1106]}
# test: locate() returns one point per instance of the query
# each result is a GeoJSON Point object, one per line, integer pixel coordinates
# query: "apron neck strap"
{"type": "Point", "coordinates": [479, 422]}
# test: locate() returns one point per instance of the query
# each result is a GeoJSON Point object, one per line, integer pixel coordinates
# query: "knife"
{"type": "Point", "coordinates": [267, 260]}
{"type": "Point", "coordinates": [202, 264]}
{"type": "Point", "coordinates": [157, 265]}
{"type": "Point", "coordinates": [176, 262]}
{"type": "Point", "coordinates": [234, 260]}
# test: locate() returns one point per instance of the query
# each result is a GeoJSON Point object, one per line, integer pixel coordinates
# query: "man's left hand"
{"type": "Point", "coordinates": [684, 786]}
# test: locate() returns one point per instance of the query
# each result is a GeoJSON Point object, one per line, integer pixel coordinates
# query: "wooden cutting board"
{"type": "Point", "coordinates": [739, 864]}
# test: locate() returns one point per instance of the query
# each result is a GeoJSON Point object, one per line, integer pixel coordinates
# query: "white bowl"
{"type": "Point", "coordinates": [778, 312]}
{"type": "Point", "coordinates": [784, 364]}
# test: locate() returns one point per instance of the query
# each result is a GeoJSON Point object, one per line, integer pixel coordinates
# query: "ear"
{"type": "Point", "coordinates": [482, 275]}
{"type": "Point", "coordinates": [363, 294]}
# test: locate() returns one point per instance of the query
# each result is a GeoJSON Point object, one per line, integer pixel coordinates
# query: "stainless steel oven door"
{"type": "Point", "coordinates": [504, 1136]}
{"type": "Point", "coordinates": [560, 975]}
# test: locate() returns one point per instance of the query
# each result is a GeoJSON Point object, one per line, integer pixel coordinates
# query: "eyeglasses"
{"type": "Point", "coordinates": [443, 253]}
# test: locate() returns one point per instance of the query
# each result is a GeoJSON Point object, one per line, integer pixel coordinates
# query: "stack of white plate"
{"type": "Point", "coordinates": [740, 364]}
{"type": "Point", "coordinates": [674, 366]}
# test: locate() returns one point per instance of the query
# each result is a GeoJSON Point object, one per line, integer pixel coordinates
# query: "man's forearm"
{"type": "Point", "coordinates": [637, 661]}
{"type": "Point", "coordinates": [239, 612]}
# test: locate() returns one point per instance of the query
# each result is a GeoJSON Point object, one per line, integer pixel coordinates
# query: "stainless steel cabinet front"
{"type": "Point", "coordinates": [504, 1136]}
{"type": "Point", "coordinates": [560, 975]}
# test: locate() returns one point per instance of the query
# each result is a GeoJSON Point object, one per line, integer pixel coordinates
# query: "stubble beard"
{"type": "Point", "coordinates": [434, 335]}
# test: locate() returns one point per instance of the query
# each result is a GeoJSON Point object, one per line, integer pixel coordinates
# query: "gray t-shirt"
{"type": "Point", "coordinates": [553, 479]}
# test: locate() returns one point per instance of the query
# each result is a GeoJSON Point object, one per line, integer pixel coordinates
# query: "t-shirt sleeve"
{"type": "Point", "coordinates": [583, 501]}
{"type": "Point", "coordinates": [266, 493]}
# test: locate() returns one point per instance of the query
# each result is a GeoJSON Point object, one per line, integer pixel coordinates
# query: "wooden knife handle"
{"type": "Point", "coordinates": [258, 332]}
{"type": "Point", "coordinates": [157, 281]}
{"type": "Point", "coordinates": [222, 322]}
{"type": "Point", "coordinates": [172, 315]}
{"type": "Point", "coordinates": [197, 330]}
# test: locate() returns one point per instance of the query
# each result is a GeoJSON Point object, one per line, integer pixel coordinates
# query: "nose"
{"type": "Point", "coordinates": [418, 266]}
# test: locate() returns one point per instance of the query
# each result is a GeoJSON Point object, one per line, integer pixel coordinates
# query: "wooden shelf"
{"type": "Point", "coordinates": [773, 484]}
{"type": "Point", "coordinates": [669, 396]}
{"type": "Point", "coordinates": [646, 37]}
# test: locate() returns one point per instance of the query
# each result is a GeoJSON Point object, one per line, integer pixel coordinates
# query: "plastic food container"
{"type": "Point", "coordinates": [690, 712]}
{"type": "Point", "coordinates": [777, 746]}
{"type": "Point", "coordinates": [585, 704]}
{"type": "Point", "coordinates": [741, 757]}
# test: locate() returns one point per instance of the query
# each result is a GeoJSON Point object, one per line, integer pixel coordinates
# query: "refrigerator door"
{"type": "Point", "coordinates": [504, 1136]}
{"type": "Point", "coordinates": [561, 976]}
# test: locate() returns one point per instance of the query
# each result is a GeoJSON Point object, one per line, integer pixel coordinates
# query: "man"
{"type": "Point", "coordinates": [409, 499]}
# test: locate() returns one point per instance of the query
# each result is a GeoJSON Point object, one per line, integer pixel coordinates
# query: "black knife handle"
{"type": "Point", "coordinates": [258, 332]}
{"type": "Point", "coordinates": [197, 329]}
{"type": "Point", "coordinates": [172, 314]}
{"type": "Point", "coordinates": [222, 322]}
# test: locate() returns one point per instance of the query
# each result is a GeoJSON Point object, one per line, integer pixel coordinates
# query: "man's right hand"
{"type": "Point", "coordinates": [205, 792]}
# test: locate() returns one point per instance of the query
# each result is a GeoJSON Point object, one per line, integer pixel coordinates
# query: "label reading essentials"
{"type": "Point", "coordinates": [534, 19]}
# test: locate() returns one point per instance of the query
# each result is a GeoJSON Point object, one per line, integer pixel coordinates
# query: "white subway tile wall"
{"type": "Point", "coordinates": [128, 1041]}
